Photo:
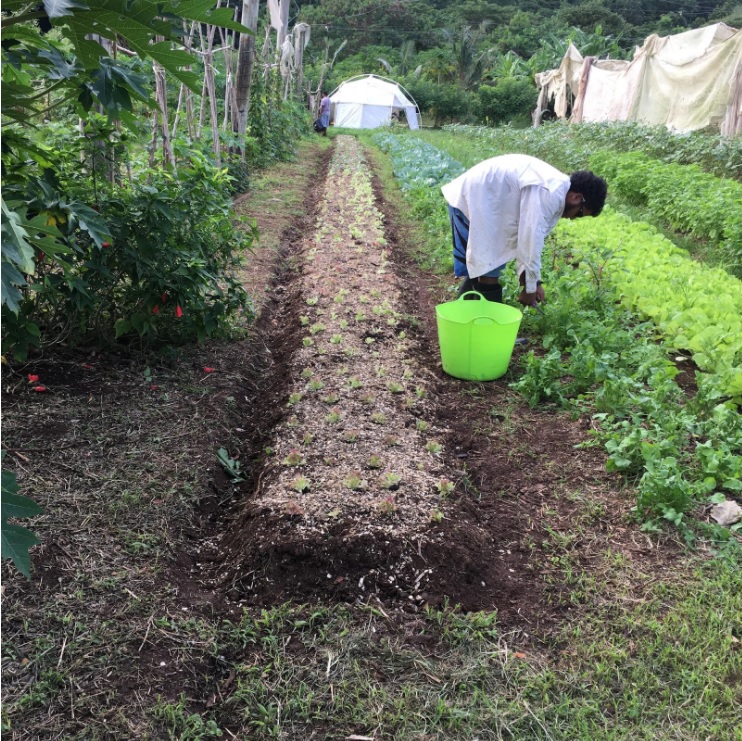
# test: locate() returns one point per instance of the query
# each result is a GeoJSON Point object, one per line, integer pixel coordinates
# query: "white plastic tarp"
{"type": "Point", "coordinates": [686, 82]}
{"type": "Point", "coordinates": [370, 102]}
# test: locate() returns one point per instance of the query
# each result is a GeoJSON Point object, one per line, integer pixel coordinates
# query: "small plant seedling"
{"type": "Point", "coordinates": [390, 480]}
{"type": "Point", "coordinates": [349, 436]}
{"type": "Point", "coordinates": [333, 417]}
{"type": "Point", "coordinates": [294, 399]}
{"type": "Point", "coordinates": [301, 484]}
{"type": "Point", "coordinates": [312, 301]}
{"type": "Point", "coordinates": [402, 335]}
{"type": "Point", "coordinates": [395, 388]}
{"type": "Point", "coordinates": [304, 320]}
{"type": "Point", "coordinates": [292, 422]}
{"type": "Point", "coordinates": [436, 515]}
{"type": "Point", "coordinates": [369, 400]}
{"type": "Point", "coordinates": [343, 324]}
{"type": "Point", "coordinates": [336, 339]}
{"type": "Point", "coordinates": [373, 462]}
{"type": "Point", "coordinates": [306, 373]}
{"type": "Point", "coordinates": [316, 385]}
{"type": "Point", "coordinates": [445, 487]}
{"type": "Point", "coordinates": [378, 418]}
{"type": "Point", "coordinates": [268, 450]}
{"type": "Point", "coordinates": [392, 441]}
{"type": "Point", "coordinates": [355, 383]}
{"type": "Point", "coordinates": [360, 316]}
{"type": "Point", "coordinates": [317, 327]}
{"type": "Point", "coordinates": [294, 458]}
{"type": "Point", "coordinates": [308, 438]}
{"type": "Point", "coordinates": [408, 374]}
{"type": "Point", "coordinates": [369, 340]}
{"type": "Point", "coordinates": [354, 482]}
{"type": "Point", "coordinates": [381, 372]}
{"type": "Point", "coordinates": [307, 342]}
{"type": "Point", "coordinates": [421, 425]}
{"type": "Point", "coordinates": [434, 447]}
{"type": "Point", "coordinates": [420, 392]}
{"type": "Point", "coordinates": [387, 506]}
{"type": "Point", "coordinates": [231, 466]}
{"type": "Point", "coordinates": [331, 399]}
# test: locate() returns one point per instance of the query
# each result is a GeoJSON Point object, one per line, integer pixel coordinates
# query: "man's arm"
{"type": "Point", "coordinates": [532, 232]}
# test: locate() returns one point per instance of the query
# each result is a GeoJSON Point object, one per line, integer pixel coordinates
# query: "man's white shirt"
{"type": "Point", "coordinates": [512, 203]}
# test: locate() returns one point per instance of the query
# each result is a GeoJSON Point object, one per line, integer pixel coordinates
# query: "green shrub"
{"type": "Point", "coordinates": [511, 98]}
{"type": "Point", "coordinates": [156, 260]}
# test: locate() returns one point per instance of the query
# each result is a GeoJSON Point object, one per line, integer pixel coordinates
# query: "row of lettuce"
{"type": "Point", "coordinates": [619, 360]}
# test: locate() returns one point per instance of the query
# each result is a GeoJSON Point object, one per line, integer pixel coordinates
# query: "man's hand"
{"type": "Point", "coordinates": [533, 299]}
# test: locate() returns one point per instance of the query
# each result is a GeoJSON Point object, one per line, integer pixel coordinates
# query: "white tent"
{"type": "Point", "coordinates": [686, 82]}
{"type": "Point", "coordinates": [370, 101]}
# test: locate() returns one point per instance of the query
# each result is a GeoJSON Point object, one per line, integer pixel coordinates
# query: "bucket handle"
{"type": "Point", "coordinates": [481, 298]}
{"type": "Point", "coordinates": [471, 293]}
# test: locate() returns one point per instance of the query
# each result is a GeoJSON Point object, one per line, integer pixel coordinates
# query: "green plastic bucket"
{"type": "Point", "coordinates": [476, 337]}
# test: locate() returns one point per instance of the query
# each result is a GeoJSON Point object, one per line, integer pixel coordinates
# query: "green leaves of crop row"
{"type": "Point", "coordinates": [688, 199]}
{"type": "Point", "coordinates": [696, 308]}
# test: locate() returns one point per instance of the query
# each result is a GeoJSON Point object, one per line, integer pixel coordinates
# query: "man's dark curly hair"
{"type": "Point", "coordinates": [592, 188]}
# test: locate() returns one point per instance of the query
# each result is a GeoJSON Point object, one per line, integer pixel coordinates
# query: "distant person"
{"type": "Point", "coordinates": [324, 113]}
{"type": "Point", "coordinates": [503, 209]}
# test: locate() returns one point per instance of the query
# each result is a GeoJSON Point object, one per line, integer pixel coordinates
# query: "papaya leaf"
{"type": "Point", "coordinates": [16, 539]}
